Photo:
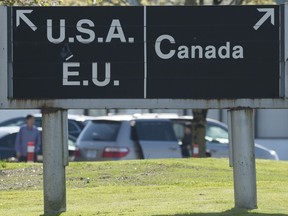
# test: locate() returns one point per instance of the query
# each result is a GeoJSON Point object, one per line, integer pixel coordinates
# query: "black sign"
{"type": "Point", "coordinates": [78, 52]}
{"type": "Point", "coordinates": [145, 52]}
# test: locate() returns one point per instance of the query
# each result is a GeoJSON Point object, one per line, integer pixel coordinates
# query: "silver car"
{"type": "Point", "coordinates": [127, 137]}
{"type": "Point", "coordinates": [217, 138]}
{"type": "Point", "coordinates": [150, 136]}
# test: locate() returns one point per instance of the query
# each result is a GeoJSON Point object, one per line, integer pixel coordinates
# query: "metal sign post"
{"type": "Point", "coordinates": [243, 157]}
{"type": "Point", "coordinates": [55, 158]}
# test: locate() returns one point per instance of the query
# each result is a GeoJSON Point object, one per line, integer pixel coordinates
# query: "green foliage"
{"type": "Point", "coordinates": [119, 2]}
{"type": "Point", "coordinates": [3, 164]}
{"type": "Point", "coordinates": [94, 2]}
{"type": "Point", "coordinates": [256, 2]}
{"type": "Point", "coordinates": [29, 2]}
{"type": "Point", "coordinates": [107, 2]}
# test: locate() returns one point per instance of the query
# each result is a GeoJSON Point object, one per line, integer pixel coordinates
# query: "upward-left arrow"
{"type": "Point", "coordinates": [20, 14]}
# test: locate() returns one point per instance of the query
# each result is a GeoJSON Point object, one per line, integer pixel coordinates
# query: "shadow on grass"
{"type": "Point", "coordinates": [51, 214]}
{"type": "Point", "coordinates": [232, 212]}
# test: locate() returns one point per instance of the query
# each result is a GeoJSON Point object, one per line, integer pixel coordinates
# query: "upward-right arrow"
{"type": "Point", "coordinates": [269, 13]}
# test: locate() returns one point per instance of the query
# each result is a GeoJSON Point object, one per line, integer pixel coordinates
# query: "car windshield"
{"type": "Point", "coordinates": [216, 134]}
{"type": "Point", "coordinates": [102, 131]}
{"type": "Point", "coordinates": [155, 131]}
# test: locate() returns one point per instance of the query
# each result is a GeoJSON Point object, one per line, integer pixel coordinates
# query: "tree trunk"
{"type": "Point", "coordinates": [199, 132]}
{"type": "Point", "coordinates": [199, 115]}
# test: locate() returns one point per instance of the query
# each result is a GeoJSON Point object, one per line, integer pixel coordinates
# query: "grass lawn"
{"type": "Point", "coordinates": [145, 187]}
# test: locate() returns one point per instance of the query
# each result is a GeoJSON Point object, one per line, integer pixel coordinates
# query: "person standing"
{"type": "Point", "coordinates": [186, 141]}
{"type": "Point", "coordinates": [28, 133]}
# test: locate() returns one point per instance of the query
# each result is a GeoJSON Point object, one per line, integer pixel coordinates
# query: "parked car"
{"type": "Point", "coordinates": [149, 136]}
{"type": "Point", "coordinates": [127, 137]}
{"type": "Point", "coordinates": [76, 123]}
{"type": "Point", "coordinates": [7, 143]}
{"type": "Point", "coordinates": [217, 138]}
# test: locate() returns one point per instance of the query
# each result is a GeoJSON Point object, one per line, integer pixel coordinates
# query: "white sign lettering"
{"type": "Point", "coordinates": [68, 73]}
{"type": "Point", "coordinates": [197, 51]}
{"type": "Point", "coordinates": [86, 32]}
{"type": "Point", "coordinates": [61, 37]}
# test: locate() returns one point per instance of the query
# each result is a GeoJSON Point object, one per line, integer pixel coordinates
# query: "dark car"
{"type": "Point", "coordinates": [7, 143]}
{"type": "Point", "coordinates": [76, 123]}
